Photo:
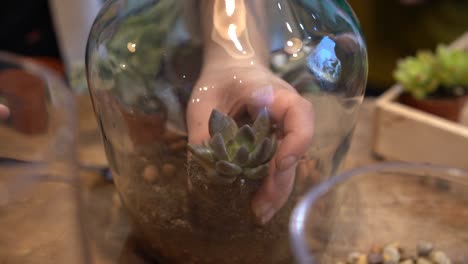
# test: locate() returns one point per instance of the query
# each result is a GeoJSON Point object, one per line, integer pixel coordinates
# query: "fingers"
{"type": "Point", "coordinates": [293, 114]}
{"type": "Point", "coordinates": [298, 128]}
{"type": "Point", "coordinates": [296, 116]}
{"type": "Point", "coordinates": [4, 112]}
{"type": "Point", "coordinates": [273, 193]}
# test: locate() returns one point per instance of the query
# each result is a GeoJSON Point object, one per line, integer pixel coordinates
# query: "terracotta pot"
{"type": "Point", "coordinates": [51, 63]}
{"type": "Point", "coordinates": [448, 108]}
{"type": "Point", "coordinates": [26, 96]}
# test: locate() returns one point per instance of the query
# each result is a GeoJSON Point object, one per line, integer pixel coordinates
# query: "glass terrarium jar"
{"type": "Point", "coordinates": [366, 213]}
{"type": "Point", "coordinates": [217, 115]}
{"type": "Point", "coordinates": [40, 216]}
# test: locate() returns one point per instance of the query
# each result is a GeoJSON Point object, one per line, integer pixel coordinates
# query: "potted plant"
{"type": "Point", "coordinates": [25, 95]}
{"type": "Point", "coordinates": [436, 83]}
{"type": "Point", "coordinates": [226, 171]}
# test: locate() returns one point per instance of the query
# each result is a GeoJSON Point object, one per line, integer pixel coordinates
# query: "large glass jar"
{"type": "Point", "coordinates": [40, 216]}
{"type": "Point", "coordinates": [216, 115]}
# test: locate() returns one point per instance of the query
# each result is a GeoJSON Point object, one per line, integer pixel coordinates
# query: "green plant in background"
{"type": "Point", "coordinates": [444, 73]}
{"type": "Point", "coordinates": [140, 40]}
{"type": "Point", "coordinates": [136, 50]}
{"type": "Point", "coordinates": [452, 69]}
{"type": "Point", "coordinates": [416, 74]}
{"type": "Point", "coordinates": [233, 152]}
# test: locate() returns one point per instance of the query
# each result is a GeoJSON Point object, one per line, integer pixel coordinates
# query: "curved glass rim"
{"type": "Point", "coordinates": [60, 96]}
{"type": "Point", "coordinates": [20, 60]}
{"type": "Point", "coordinates": [45, 73]}
{"type": "Point", "coordinates": [303, 208]}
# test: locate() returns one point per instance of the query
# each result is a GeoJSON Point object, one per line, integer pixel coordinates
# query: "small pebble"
{"type": "Point", "coordinates": [376, 249]}
{"type": "Point", "coordinates": [362, 259]}
{"type": "Point", "coordinates": [168, 170]}
{"type": "Point", "coordinates": [374, 258]}
{"type": "Point", "coordinates": [424, 249]}
{"type": "Point", "coordinates": [150, 174]}
{"type": "Point", "coordinates": [353, 258]}
{"type": "Point", "coordinates": [395, 245]}
{"type": "Point", "coordinates": [395, 254]}
{"type": "Point", "coordinates": [439, 257]}
{"type": "Point", "coordinates": [423, 261]}
{"type": "Point", "coordinates": [391, 255]}
{"type": "Point", "coordinates": [405, 254]}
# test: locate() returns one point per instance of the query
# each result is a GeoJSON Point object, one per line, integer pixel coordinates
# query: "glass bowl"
{"type": "Point", "coordinates": [166, 76]}
{"type": "Point", "coordinates": [370, 207]}
{"type": "Point", "coordinates": [39, 199]}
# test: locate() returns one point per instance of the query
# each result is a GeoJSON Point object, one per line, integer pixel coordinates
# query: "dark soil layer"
{"type": "Point", "coordinates": [182, 219]}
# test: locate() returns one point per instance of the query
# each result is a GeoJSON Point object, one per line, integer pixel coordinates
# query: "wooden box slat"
{"type": "Point", "coordinates": [407, 134]}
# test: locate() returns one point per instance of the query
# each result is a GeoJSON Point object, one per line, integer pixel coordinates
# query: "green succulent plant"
{"type": "Point", "coordinates": [416, 74]}
{"type": "Point", "coordinates": [452, 69]}
{"type": "Point", "coordinates": [234, 152]}
{"type": "Point", "coordinates": [444, 72]}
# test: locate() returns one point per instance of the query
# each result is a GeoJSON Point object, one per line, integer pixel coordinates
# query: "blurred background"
{"type": "Point", "coordinates": [398, 28]}
{"type": "Point", "coordinates": [54, 32]}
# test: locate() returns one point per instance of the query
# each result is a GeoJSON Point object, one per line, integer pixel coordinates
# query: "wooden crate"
{"type": "Point", "coordinates": [407, 134]}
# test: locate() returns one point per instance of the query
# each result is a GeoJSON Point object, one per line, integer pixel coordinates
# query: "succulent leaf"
{"type": "Point", "coordinates": [232, 147]}
{"type": "Point", "coordinates": [228, 168]}
{"type": "Point", "coordinates": [256, 173]}
{"type": "Point", "coordinates": [262, 124]}
{"type": "Point", "coordinates": [232, 152]}
{"type": "Point", "coordinates": [218, 147]}
{"type": "Point", "coordinates": [242, 156]}
{"type": "Point", "coordinates": [216, 122]}
{"type": "Point", "coordinates": [416, 74]}
{"type": "Point", "coordinates": [430, 73]}
{"type": "Point", "coordinates": [214, 177]}
{"type": "Point", "coordinates": [230, 130]}
{"type": "Point", "coordinates": [223, 124]}
{"type": "Point", "coordinates": [201, 153]}
{"type": "Point", "coordinates": [452, 68]}
{"type": "Point", "coordinates": [245, 137]}
{"type": "Point", "coordinates": [261, 152]}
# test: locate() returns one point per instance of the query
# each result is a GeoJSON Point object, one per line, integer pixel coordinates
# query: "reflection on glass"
{"type": "Point", "coordinates": [323, 61]}
{"type": "Point", "coordinates": [237, 58]}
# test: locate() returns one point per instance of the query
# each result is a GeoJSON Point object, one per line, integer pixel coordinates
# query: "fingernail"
{"type": "Point", "coordinates": [262, 210]}
{"type": "Point", "coordinates": [265, 212]}
{"type": "Point", "coordinates": [267, 216]}
{"type": "Point", "coordinates": [287, 163]}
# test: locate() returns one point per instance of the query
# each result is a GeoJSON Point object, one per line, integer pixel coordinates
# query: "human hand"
{"type": "Point", "coordinates": [239, 90]}
{"type": "Point", "coordinates": [4, 112]}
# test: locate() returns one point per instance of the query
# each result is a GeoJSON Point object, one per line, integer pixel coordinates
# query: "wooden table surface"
{"type": "Point", "coordinates": [106, 225]}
